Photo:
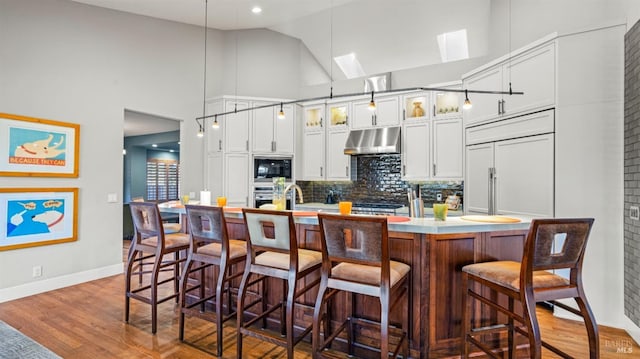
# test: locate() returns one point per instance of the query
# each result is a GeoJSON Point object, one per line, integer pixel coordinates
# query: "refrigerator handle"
{"type": "Point", "coordinates": [491, 192]}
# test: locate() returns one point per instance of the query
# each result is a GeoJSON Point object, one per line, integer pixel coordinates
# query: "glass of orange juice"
{"type": "Point", "coordinates": [222, 201]}
{"type": "Point", "coordinates": [344, 207]}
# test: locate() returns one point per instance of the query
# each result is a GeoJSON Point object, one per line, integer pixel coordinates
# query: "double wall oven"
{"type": "Point", "coordinates": [265, 169]}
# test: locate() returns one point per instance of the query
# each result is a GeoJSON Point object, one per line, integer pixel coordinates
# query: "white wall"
{"type": "Point", "coordinates": [71, 62]}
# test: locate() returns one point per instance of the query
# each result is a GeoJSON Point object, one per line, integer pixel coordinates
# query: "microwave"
{"type": "Point", "coordinates": [266, 168]}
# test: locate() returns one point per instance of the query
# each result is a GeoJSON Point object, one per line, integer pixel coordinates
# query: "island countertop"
{"type": "Point", "coordinates": [425, 225]}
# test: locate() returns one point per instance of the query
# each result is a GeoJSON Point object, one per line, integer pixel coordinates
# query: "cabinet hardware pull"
{"type": "Point", "coordinates": [499, 111]}
{"type": "Point", "coordinates": [346, 172]}
{"type": "Point", "coordinates": [346, 120]}
{"type": "Point", "coordinates": [219, 145]}
{"type": "Point", "coordinates": [320, 121]}
{"type": "Point", "coordinates": [503, 101]}
{"type": "Point", "coordinates": [320, 171]}
{"type": "Point", "coordinates": [273, 146]}
{"type": "Point", "coordinates": [246, 145]}
{"type": "Point", "coordinates": [404, 114]}
{"type": "Point", "coordinates": [404, 170]}
{"type": "Point", "coordinates": [434, 110]}
{"type": "Point", "coordinates": [434, 169]}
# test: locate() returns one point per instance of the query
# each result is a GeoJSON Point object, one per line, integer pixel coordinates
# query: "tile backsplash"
{"type": "Point", "coordinates": [378, 179]}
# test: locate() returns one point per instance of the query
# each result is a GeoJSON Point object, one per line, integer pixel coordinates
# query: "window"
{"type": "Point", "coordinates": [163, 180]}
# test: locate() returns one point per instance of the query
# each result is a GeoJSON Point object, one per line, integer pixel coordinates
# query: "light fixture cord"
{"type": "Point", "coordinates": [510, 91]}
{"type": "Point", "coordinates": [331, 49]}
{"type": "Point", "coordinates": [236, 54]}
{"type": "Point", "coordinates": [204, 86]}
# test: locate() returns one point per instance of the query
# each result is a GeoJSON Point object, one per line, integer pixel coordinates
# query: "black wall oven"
{"type": "Point", "coordinates": [264, 195]}
{"type": "Point", "coordinates": [266, 168]}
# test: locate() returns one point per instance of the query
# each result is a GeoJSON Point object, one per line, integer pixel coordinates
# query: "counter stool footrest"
{"type": "Point", "coordinates": [262, 315]}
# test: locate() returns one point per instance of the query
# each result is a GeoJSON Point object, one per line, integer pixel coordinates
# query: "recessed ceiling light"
{"type": "Point", "coordinates": [154, 145]}
{"type": "Point", "coordinates": [256, 10]}
{"type": "Point", "coordinates": [171, 151]}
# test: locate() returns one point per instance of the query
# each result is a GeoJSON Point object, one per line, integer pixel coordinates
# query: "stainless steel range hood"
{"type": "Point", "coordinates": [373, 141]}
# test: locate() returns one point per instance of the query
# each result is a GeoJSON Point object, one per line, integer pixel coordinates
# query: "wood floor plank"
{"type": "Point", "coordinates": [87, 321]}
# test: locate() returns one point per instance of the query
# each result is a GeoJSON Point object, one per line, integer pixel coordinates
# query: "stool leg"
{"type": "Point", "coordinates": [351, 304]}
{"type": "Point", "coordinates": [531, 321]}
{"type": "Point", "coordinates": [184, 280]}
{"type": "Point", "coordinates": [127, 304]}
{"type": "Point", "coordinates": [283, 309]}
{"type": "Point", "coordinates": [242, 291]}
{"type": "Point", "coordinates": [589, 323]}
{"type": "Point", "coordinates": [384, 325]}
{"type": "Point", "coordinates": [316, 342]}
{"type": "Point", "coordinates": [219, 314]}
{"type": "Point", "coordinates": [291, 291]}
{"type": "Point", "coordinates": [263, 299]}
{"type": "Point", "coordinates": [154, 292]}
{"type": "Point", "coordinates": [176, 274]}
{"type": "Point", "coordinates": [511, 332]}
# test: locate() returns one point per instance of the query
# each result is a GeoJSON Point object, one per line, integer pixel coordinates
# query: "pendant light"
{"type": "Point", "coordinates": [372, 104]}
{"type": "Point", "coordinates": [467, 104]}
{"type": "Point", "coordinates": [204, 87]}
{"type": "Point", "coordinates": [215, 125]}
{"type": "Point", "coordinates": [281, 115]}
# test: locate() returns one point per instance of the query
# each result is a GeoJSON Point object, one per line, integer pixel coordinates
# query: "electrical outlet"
{"type": "Point", "coordinates": [439, 197]}
{"type": "Point", "coordinates": [37, 271]}
{"type": "Point", "coordinates": [634, 212]}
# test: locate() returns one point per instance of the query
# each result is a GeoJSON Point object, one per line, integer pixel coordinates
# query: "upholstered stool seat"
{"type": "Point", "coordinates": [209, 245]}
{"type": "Point", "coordinates": [273, 253]}
{"type": "Point", "coordinates": [551, 244]}
{"type": "Point", "coordinates": [355, 260]}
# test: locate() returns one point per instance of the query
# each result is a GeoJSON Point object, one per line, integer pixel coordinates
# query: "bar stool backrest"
{"type": "Point", "coordinates": [146, 221]}
{"type": "Point", "coordinates": [556, 244]}
{"type": "Point", "coordinates": [207, 225]}
{"type": "Point", "coordinates": [262, 223]}
{"type": "Point", "coordinates": [355, 239]}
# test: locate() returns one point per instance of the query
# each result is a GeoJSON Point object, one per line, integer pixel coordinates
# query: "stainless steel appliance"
{"type": "Point", "coordinates": [264, 194]}
{"type": "Point", "coordinates": [388, 209]}
{"type": "Point", "coordinates": [266, 168]}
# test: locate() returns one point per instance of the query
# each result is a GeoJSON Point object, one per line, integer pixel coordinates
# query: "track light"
{"type": "Point", "coordinates": [215, 125]}
{"type": "Point", "coordinates": [467, 104]}
{"type": "Point", "coordinates": [200, 131]}
{"type": "Point", "coordinates": [281, 113]}
{"type": "Point", "coordinates": [372, 104]}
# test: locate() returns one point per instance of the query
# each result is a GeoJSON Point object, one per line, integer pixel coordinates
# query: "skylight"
{"type": "Point", "coordinates": [349, 65]}
{"type": "Point", "coordinates": [453, 45]}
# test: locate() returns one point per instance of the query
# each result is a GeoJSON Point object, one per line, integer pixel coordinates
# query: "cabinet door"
{"type": "Point", "coordinates": [236, 127]}
{"type": "Point", "coordinates": [416, 148]}
{"type": "Point", "coordinates": [338, 164]}
{"type": "Point", "coordinates": [236, 169]}
{"type": "Point", "coordinates": [313, 156]}
{"type": "Point", "coordinates": [447, 104]}
{"type": "Point", "coordinates": [416, 107]}
{"type": "Point", "coordinates": [262, 128]}
{"type": "Point", "coordinates": [479, 158]}
{"type": "Point", "coordinates": [534, 74]}
{"type": "Point", "coordinates": [387, 111]}
{"type": "Point", "coordinates": [447, 149]}
{"type": "Point", "coordinates": [338, 115]}
{"type": "Point", "coordinates": [485, 106]}
{"type": "Point", "coordinates": [214, 136]}
{"type": "Point", "coordinates": [215, 179]}
{"type": "Point", "coordinates": [314, 118]}
{"type": "Point", "coordinates": [284, 130]}
{"type": "Point", "coordinates": [362, 115]}
{"type": "Point", "coordinates": [525, 176]}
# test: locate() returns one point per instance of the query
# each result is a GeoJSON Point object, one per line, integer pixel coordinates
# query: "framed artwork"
{"type": "Point", "coordinates": [38, 147]}
{"type": "Point", "coordinates": [37, 216]}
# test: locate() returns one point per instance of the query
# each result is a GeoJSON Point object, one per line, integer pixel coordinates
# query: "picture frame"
{"type": "Point", "coordinates": [36, 147]}
{"type": "Point", "coordinates": [37, 216]}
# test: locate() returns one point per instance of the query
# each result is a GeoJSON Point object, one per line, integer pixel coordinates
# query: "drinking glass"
{"type": "Point", "coordinates": [222, 201]}
{"type": "Point", "coordinates": [344, 207]}
{"type": "Point", "coordinates": [440, 211]}
{"type": "Point", "coordinates": [185, 199]}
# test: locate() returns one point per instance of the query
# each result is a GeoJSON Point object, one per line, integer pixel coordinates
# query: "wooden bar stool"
{"type": "Point", "coordinates": [273, 251]}
{"type": "Point", "coordinates": [150, 242]}
{"type": "Point", "coordinates": [209, 245]}
{"type": "Point", "coordinates": [550, 244]}
{"type": "Point", "coordinates": [355, 259]}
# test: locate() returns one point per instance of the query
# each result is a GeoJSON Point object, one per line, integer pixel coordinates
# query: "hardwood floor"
{"type": "Point", "coordinates": [86, 321]}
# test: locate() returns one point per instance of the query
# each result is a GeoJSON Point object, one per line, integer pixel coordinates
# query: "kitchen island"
{"type": "Point", "coordinates": [436, 252]}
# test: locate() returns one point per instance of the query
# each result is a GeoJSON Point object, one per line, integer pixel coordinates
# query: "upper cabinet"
{"type": "Point", "coordinates": [532, 72]}
{"type": "Point", "coordinates": [446, 104]}
{"type": "Point", "coordinates": [271, 134]}
{"type": "Point", "coordinates": [236, 126]}
{"type": "Point", "coordinates": [416, 106]}
{"type": "Point", "coordinates": [338, 116]}
{"type": "Point", "coordinates": [314, 118]}
{"type": "Point", "coordinates": [386, 113]}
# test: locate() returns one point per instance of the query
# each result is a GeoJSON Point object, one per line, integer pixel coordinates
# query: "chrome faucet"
{"type": "Point", "coordinates": [293, 199]}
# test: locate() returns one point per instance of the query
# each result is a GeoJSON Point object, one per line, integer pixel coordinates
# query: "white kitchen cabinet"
{"type": "Point", "coordinates": [415, 106]}
{"type": "Point", "coordinates": [523, 176]}
{"type": "Point", "coordinates": [445, 104]}
{"type": "Point", "coordinates": [236, 179]}
{"type": "Point", "coordinates": [215, 175]}
{"type": "Point", "coordinates": [386, 114]}
{"type": "Point", "coordinates": [338, 114]}
{"type": "Point", "coordinates": [313, 156]}
{"type": "Point", "coordinates": [236, 127]}
{"type": "Point", "coordinates": [532, 71]}
{"type": "Point", "coordinates": [338, 164]}
{"type": "Point", "coordinates": [314, 118]}
{"type": "Point", "coordinates": [447, 149]}
{"type": "Point", "coordinates": [272, 135]}
{"type": "Point", "coordinates": [416, 150]}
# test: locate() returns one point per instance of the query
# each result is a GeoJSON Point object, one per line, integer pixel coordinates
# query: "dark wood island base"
{"type": "Point", "coordinates": [436, 260]}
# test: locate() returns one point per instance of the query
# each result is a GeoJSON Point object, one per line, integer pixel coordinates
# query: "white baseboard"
{"type": "Point", "coordinates": [46, 285]}
{"type": "Point", "coordinates": [632, 329]}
